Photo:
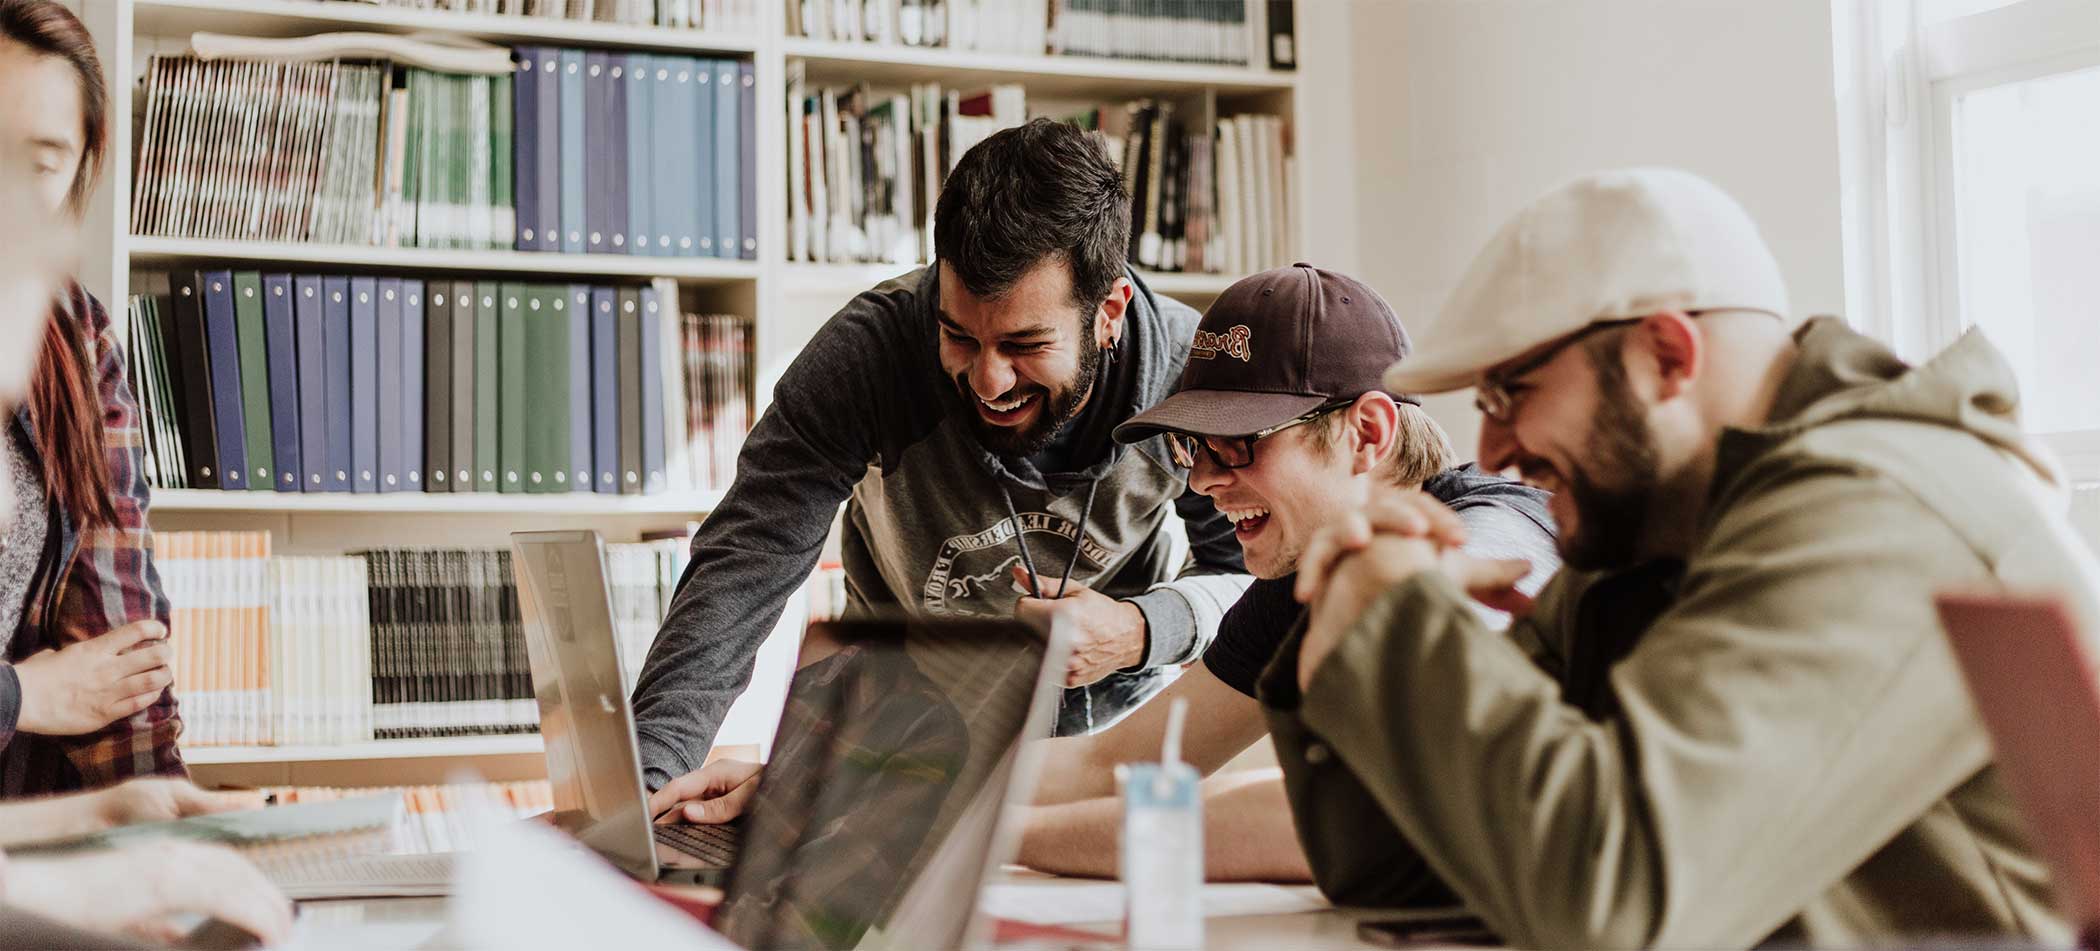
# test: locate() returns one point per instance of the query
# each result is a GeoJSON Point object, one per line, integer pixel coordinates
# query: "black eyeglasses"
{"type": "Point", "coordinates": [1496, 394]}
{"type": "Point", "coordinates": [1237, 452]}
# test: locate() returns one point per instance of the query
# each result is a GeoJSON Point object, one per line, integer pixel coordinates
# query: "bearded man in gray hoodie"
{"type": "Point", "coordinates": [963, 413]}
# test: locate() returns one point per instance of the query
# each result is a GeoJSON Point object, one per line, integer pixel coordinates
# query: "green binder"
{"type": "Point", "coordinates": [487, 404]}
{"type": "Point", "coordinates": [510, 403]}
{"type": "Point", "coordinates": [255, 380]}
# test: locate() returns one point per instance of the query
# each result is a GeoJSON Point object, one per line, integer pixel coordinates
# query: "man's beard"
{"type": "Point", "coordinates": [1059, 407]}
{"type": "Point", "coordinates": [1610, 522]}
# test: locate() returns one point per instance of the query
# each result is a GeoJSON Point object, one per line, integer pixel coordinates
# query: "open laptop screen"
{"type": "Point", "coordinates": [893, 755]}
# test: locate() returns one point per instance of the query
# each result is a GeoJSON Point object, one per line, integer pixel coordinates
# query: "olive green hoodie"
{"type": "Point", "coordinates": [1770, 743]}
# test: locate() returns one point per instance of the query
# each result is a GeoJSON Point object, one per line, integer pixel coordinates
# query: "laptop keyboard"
{"type": "Point", "coordinates": [714, 844]}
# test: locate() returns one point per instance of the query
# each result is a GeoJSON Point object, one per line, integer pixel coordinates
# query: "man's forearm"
{"type": "Point", "coordinates": [1070, 773]}
{"type": "Point", "coordinates": [1248, 835]}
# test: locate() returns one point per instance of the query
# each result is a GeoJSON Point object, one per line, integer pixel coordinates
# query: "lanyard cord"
{"type": "Point", "coordinates": [1021, 538]}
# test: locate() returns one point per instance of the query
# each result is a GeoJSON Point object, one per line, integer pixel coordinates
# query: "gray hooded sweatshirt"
{"type": "Point", "coordinates": [866, 416]}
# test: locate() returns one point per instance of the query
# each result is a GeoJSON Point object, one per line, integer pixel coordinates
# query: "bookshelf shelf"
{"type": "Point", "coordinates": [698, 271]}
{"type": "Point", "coordinates": [806, 277]}
{"type": "Point", "coordinates": [300, 17]}
{"type": "Point", "coordinates": [830, 60]}
{"type": "Point", "coordinates": [448, 747]}
{"type": "Point", "coordinates": [409, 503]}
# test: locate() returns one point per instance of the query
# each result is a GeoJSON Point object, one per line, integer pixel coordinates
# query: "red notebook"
{"type": "Point", "coordinates": [2036, 680]}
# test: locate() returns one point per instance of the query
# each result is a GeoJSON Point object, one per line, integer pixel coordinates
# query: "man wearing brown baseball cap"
{"type": "Point", "coordinates": [1739, 723]}
{"type": "Point", "coordinates": [1282, 421]}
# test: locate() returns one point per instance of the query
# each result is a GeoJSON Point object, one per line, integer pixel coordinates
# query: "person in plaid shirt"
{"type": "Point", "coordinates": [84, 699]}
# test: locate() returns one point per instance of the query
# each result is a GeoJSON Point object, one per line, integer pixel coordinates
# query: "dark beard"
{"type": "Point", "coordinates": [1610, 522]}
{"type": "Point", "coordinates": [1059, 408]}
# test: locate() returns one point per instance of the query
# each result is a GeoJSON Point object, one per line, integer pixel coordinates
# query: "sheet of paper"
{"type": "Point", "coordinates": [526, 888]}
{"type": "Point", "coordinates": [1069, 902]}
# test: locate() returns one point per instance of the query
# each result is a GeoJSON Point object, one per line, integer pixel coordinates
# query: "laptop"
{"type": "Point", "coordinates": [2036, 681]}
{"type": "Point", "coordinates": [878, 819]}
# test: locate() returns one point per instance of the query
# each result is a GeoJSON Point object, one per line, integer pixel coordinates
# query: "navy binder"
{"type": "Point", "coordinates": [579, 330]}
{"type": "Point", "coordinates": [597, 154]}
{"type": "Point", "coordinates": [312, 356]}
{"type": "Point", "coordinates": [364, 384]}
{"type": "Point", "coordinates": [573, 119]}
{"type": "Point", "coordinates": [390, 475]}
{"type": "Point", "coordinates": [617, 164]}
{"type": "Point", "coordinates": [524, 142]}
{"type": "Point", "coordinates": [605, 390]}
{"type": "Point", "coordinates": [728, 133]}
{"type": "Point", "coordinates": [652, 393]}
{"type": "Point", "coordinates": [747, 162]}
{"type": "Point", "coordinates": [336, 349]}
{"type": "Point", "coordinates": [547, 135]}
{"type": "Point", "coordinates": [200, 441]}
{"type": "Point", "coordinates": [282, 346]}
{"type": "Point", "coordinates": [412, 384]}
{"type": "Point", "coordinates": [223, 340]}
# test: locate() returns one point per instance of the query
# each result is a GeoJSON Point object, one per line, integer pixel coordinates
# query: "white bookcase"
{"type": "Point", "coordinates": [787, 301]}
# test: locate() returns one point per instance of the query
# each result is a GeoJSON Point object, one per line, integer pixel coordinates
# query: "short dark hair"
{"type": "Point", "coordinates": [1040, 190]}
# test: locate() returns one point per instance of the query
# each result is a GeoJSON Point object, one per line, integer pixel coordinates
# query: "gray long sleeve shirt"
{"type": "Point", "coordinates": [866, 416]}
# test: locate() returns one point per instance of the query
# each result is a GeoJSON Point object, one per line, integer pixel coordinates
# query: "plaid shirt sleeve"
{"type": "Point", "coordinates": [112, 581]}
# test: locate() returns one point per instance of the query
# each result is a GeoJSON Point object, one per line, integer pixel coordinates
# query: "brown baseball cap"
{"type": "Point", "coordinates": [1273, 347]}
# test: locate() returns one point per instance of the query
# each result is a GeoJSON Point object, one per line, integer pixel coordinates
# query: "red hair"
{"type": "Point", "coordinates": [63, 400]}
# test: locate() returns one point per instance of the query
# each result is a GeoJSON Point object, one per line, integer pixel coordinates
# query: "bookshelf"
{"type": "Point", "coordinates": [786, 301]}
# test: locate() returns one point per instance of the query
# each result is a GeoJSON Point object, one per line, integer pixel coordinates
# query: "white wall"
{"type": "Point", "coordinates": [1466, 109]}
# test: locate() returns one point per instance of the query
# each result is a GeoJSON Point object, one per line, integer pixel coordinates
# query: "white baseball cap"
{"type": "Point", "coordinates": [1607, 246]}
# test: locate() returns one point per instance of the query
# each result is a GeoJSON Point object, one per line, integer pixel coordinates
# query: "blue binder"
{"type": "Point", "coordinates": [312, 357]}
{"type": "Point", "coordinates": [336, 350]}
{"type": "Point", "coordinates": [698, 114]}
{"type": "Point", "coordinates": [524, 141]}
{"type": "Point", "coordinates": [747, 162]}
{"type": "Point", "coordinates": [223, 340]}
{"type": "Point", "coordinates": [579, 460]}
{"type": "Point", "coordinates": [669, 156]}
{"type": "Point", "coordinates": [728, 222]}
{"type": "Point", "coordinates": [640, 119]}
{"type": "Point", "coordinates": [282, 353]}
{"type": "Point", "coordinates": [652, 393]}
{"type": "Point", "coordinates": [412, 409]}
{"type": "Point", "coordinates": [364, 385]}
{"type": "Point", "coordinates": [617, 164]}
{"type": "Point", "coordinates": [547, 136]}
{"type": "Point", "coordinates": [605, 390]}
{"type": "Point", "coordinates": [573, 119]}
{"type": "Point", "coordinates": [597, 154]}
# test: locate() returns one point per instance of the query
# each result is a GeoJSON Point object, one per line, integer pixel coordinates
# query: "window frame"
{"type": "Point", "coordinates": [1908, 80]}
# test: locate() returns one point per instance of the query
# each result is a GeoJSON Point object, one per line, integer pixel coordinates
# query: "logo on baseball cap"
{"type": "Point", "coordinates": [1273, 347]}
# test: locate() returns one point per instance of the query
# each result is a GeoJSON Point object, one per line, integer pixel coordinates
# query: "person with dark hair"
{"type": "Point", "coordinates": [84, 698]}
{"type": "Point", "coordinates": [963, 414]}
{"type": "Point", "coordinates": [1282, 421]}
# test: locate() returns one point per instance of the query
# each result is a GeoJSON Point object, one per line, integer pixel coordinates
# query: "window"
{"type": "Point", "coordinates": [1972, 196]}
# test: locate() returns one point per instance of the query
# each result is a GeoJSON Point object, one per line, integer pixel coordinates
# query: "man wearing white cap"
{"type": "Point", "coordinates": [1734, 720]}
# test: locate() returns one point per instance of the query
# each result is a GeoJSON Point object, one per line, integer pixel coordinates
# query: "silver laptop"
{"type": "Point", "coordinates": [879, 816]}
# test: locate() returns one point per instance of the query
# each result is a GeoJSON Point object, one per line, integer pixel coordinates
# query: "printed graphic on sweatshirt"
{"type": "Point", "coordinates": [973, 574]}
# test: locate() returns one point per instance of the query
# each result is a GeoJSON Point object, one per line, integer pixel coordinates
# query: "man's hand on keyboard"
{"type": "Point", "coordinates": [712, 794]}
